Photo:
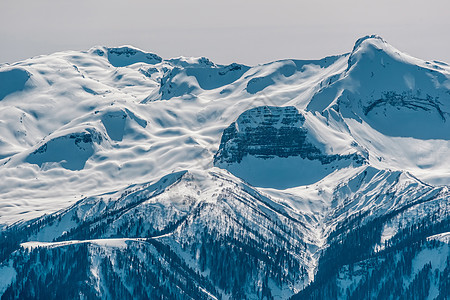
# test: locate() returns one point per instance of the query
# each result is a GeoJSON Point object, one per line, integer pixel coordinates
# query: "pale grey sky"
{"type": "Point", "coordinates": [244, 31]}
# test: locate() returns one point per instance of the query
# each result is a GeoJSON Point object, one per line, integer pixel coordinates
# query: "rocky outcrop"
{"type": "Point", "coordinates": [71, 151]}
{"type": "Point", "coordinates": [267, 132]}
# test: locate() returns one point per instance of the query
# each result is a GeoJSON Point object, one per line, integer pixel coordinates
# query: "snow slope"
{"type": "Point", "coordinates": [395, 106]}
{"type": "Point", "coordinates": [290, 154]}
{"type": "Point", "coordinates": [155, 116]}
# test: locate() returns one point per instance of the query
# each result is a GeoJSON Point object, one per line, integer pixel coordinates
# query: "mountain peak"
{"type": "Point", "coordinates": [366, 48]}
{"type": "Point", "coordinates": [368, 39]}
{"type": "Point", "coordinates": [383, 86]}
{"type": "Point", "coordinates": [231, 181]}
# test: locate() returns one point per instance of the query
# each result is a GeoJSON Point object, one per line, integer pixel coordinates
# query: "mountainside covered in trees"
{"type": "Point", "coordinates": [126, 175]}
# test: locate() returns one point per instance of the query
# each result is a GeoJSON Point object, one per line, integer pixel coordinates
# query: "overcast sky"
{"type": "Point", "coordinates": [244, 31]}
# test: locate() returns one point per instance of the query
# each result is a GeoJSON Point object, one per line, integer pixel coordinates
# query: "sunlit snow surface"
{"type": "Point", "coordinates": [76, 124]}
{"type": "Point", "coordinates": [142, 150]}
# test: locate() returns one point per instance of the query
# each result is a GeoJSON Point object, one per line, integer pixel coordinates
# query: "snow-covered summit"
{"type": "Point", "coordinates": [288, 172]}
{"type": "Point", "coordinates": [152, 116]}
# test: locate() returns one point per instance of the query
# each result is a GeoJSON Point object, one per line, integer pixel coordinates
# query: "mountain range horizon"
{"type": "Point", "coordinates": [128, 175]}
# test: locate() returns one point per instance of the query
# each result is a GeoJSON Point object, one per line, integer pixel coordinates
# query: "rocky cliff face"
{"type": "Point", "coordinates": [268, 132]}
{"type": "Point", "coordinates": [113, 181]}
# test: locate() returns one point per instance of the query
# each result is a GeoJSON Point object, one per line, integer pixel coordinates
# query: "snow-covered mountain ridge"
{"type": "Point", "coordinates": [232, 181]}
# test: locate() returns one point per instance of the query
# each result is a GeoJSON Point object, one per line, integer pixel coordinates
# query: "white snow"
{"type": "Point", "coordinates": [139, 117]}
{"type": "Point", "coordinates": [443, 237]}
{"type": "Point", "coordinates": [117, 243]}
{"type": "Point", "coordinates": [438, 258]}
{"type": "Point", "coordinates": [74, 92]}
{"type": "Point", "coordinates": [7, 275]}
{"type": "Point", "coordinates": [95, 124]}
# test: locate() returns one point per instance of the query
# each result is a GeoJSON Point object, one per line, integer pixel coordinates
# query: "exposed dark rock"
{"type": "Point", "coordinates": [407, 100]}
{"type": "Point", "coordinates": [125, 56]}
{"type": "Point", "coordinates": [267, 132]}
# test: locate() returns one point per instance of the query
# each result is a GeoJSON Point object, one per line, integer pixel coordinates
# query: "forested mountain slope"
{"type": "Point", "coordinates": [128, 175]}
